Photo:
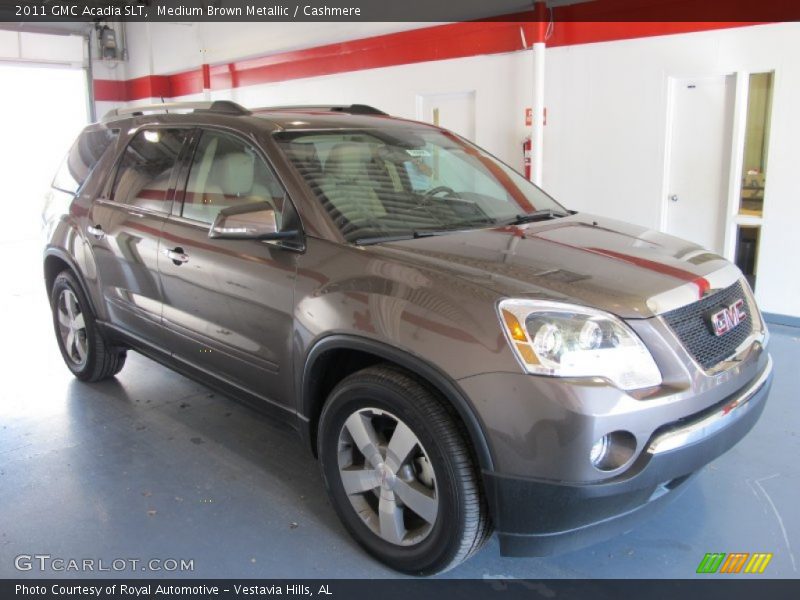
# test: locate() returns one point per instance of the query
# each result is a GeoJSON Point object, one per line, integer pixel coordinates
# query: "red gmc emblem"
{"type": "Point", "coordinates": [729, 317]}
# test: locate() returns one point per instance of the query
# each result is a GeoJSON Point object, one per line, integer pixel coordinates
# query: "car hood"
{"type": "Point", "coordinates": [624, 269]}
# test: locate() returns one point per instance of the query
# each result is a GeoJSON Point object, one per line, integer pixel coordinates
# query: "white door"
{"type": "Point", "coordinates": [699, 159]}
{"type": "Point", "coordinates": [455, 112]}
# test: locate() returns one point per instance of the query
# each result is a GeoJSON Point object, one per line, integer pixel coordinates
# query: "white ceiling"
{"type": "Point", "coordinates": [283, 37]}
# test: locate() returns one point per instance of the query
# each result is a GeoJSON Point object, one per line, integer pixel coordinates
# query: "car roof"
{"type": "Point", "coordinates": [289, 118]}
{"type": "Point", "coordinates": [321, 118]}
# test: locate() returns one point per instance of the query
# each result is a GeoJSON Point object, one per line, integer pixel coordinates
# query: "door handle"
{"type": "Point", "coordinates": [96, 231]}
{"type": "Point", "coordinates": [177, 255]}
{"type": "Point", "coordinates": [674, 197]}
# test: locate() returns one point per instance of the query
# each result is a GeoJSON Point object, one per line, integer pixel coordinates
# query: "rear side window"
{"type": "Point", "coordinates": [82, 158]}
{"type": "Point", "coordinates": [145, 169]}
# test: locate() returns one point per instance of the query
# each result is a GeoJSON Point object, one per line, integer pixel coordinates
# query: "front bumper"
{"type": "Point", "coordinates": [540, 517]}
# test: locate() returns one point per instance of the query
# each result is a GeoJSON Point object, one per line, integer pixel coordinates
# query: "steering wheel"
{"type": "Point", "coordinates": [439, 189]}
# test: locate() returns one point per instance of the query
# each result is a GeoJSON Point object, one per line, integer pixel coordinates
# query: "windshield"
{"type": "Point", "coordinates": [409, 182]}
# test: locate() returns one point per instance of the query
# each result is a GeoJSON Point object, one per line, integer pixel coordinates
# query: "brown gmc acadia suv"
{"type": "Point", "coordinates": [462, 353]}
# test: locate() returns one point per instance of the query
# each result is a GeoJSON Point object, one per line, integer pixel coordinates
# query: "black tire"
{"type": "Point", "coordinates": [101, 360]}
{"type": "Point", "coordinates": [461, 524]}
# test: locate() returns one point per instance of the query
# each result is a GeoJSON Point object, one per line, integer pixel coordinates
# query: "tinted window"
{"type": "Point", "coordinates": [145, 170]}
{"type": "Point", "coordinates": [82, 158]}
{"type": "Point", "coordinates": [400, 181]}
{"type": "Point", "coordinates": [225, 172]}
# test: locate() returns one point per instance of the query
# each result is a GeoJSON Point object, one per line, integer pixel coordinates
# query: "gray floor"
{"type": "Point", "coordinates": [153, 465]}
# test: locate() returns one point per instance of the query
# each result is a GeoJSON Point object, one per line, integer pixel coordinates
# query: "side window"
{"type": "Point", "coordinates": [225, 172]}
{"type": "Point", "coordinates": [82, 158]}
{"type": "Point", "coordinates": [145, 170]}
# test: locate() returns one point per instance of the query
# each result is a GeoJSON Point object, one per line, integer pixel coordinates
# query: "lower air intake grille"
{"type": "Point", "coordinates": [692, 326]}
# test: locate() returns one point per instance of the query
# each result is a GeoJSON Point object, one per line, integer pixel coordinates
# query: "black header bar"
{"type": "Point", "coordinates": [43, 11]}
{"type": "Point", "coordinates": [712, 588]}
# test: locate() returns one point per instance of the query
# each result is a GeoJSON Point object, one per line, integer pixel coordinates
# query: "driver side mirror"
{"type": "Point", "coordinates": [252, 221]}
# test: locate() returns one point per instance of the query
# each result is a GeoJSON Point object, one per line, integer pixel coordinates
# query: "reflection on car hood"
{"type": "Point", "coordinates": [582, 259]}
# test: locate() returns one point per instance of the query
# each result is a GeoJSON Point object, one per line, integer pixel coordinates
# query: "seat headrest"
{"type": "Point", "coordinates": [348, 160]}
{"type": "Point", "coordinates": [234, 173]}
{"type": "Point", "coordinates": [304, 154]}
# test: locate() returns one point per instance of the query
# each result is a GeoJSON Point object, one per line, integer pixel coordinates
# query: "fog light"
{"type": "Point", "coordinates": [599, 450]}
{"type": "Point", "coordinates": [613, 450]}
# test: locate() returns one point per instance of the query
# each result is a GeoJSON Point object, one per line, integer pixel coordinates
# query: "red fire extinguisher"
{"type": "Point", "coordinates": [526, 153]}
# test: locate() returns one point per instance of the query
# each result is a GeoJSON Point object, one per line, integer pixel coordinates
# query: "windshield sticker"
{"type": "Point", "coordinates": [418, 152]}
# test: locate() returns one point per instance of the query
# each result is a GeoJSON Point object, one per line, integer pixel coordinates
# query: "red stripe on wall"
{"type": "Point", "coordinates": [183, 84]}
{"type": "Point", "coordinates": [441, 42]}
{"type": "Point", "coordinates": [152, 86]}
{"type": "Point", "coordinates": [421, 45]}
{"type": "Point", "coordinates": [107, 90]}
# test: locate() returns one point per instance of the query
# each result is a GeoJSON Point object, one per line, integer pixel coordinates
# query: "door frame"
{"type": "Point", "coordinates": [733, 219]}
{"type": "Point", "coordinates": [736, 153]}
{"type": "Point", "coordinates": [422, 97]}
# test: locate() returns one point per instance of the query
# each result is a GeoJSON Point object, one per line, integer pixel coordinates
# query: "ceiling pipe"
{"type": "Point", "coordinates": [537, 122]}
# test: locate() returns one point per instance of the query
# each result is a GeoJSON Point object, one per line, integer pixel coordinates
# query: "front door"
{"type": "Point", "coordinates": [228, 303]}
{"type": "Point", "coordinates": [699, 159]}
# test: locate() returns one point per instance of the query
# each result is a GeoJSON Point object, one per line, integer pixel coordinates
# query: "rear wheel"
{"type": "Point", "coordinates": [84, 350]}
{"type": "Point", "coordinates": [399, 472]}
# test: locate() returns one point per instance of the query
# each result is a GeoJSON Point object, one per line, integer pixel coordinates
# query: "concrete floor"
{"type": "Point", "coordinates": [153, 465]}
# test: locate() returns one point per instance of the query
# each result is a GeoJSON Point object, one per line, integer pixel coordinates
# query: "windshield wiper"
{"type": "Point", "coordinates": [538, 215]}
{"type": "Point", "coordinates": [421, 233]}
{"type": "Point", "coordinates": [396, 237]}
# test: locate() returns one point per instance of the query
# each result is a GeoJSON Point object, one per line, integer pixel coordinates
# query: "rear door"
{"type": "Point", "coordinates": [124, 225]}
{"type": "Point", "coordinates": [228, 304]}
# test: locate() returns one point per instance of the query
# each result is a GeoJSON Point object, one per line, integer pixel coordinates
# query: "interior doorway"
{"type": "Point", "coordinates": [745, 230]}
{"type": "Point", "coordinates": [699, 158]}
{"type": "Point", "coordinates": [453, 111]}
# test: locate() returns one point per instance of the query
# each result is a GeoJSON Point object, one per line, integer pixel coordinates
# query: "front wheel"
{"type": "Point", "coordinates": [399, 471]}
{"type": "Point", "coordinates": [84, 350]}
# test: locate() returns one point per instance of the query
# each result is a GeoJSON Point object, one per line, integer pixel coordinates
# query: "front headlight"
{"type": "Point", "coordinates": [565, 340]}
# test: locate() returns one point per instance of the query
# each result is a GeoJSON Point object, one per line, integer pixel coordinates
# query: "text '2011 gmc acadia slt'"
{"type": "Point", "coordinates": [462, 353]}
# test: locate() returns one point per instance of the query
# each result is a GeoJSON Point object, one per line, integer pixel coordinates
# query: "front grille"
{"type": "Point", "coordinates": [690, 324]}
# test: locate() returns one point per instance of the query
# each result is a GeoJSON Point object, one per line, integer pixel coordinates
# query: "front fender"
{"type": "Point", "coordinates": [310, 403]}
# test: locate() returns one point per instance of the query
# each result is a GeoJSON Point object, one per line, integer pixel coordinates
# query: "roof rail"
{"type": "Point", "coordinates": [352, 109]}
{"type": "Point", "coordinates": [225, 107]}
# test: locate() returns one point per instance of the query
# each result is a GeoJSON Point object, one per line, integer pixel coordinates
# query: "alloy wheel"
{"type": "Point", "coordinates": [72, 328]}
{"type": "Point", "coordinates": [388, 476]}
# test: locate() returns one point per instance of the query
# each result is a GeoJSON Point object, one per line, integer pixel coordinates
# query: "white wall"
{"type": "Point", "coordinates": [607, 119]}
{"type": "Point", "coordinates": [174, 47]}
{"type": "Point", "coordinates": [500, 81]}
{"type": "Point", "coordinates": [607, 111]}
{"type": "Point", "coordinates": [499, 94]}
{"type": "Point", "coordinates": [166, 48]}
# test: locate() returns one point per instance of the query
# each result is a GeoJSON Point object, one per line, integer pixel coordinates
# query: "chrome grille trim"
{"type": "Point", "coordinates": [690, 326]}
